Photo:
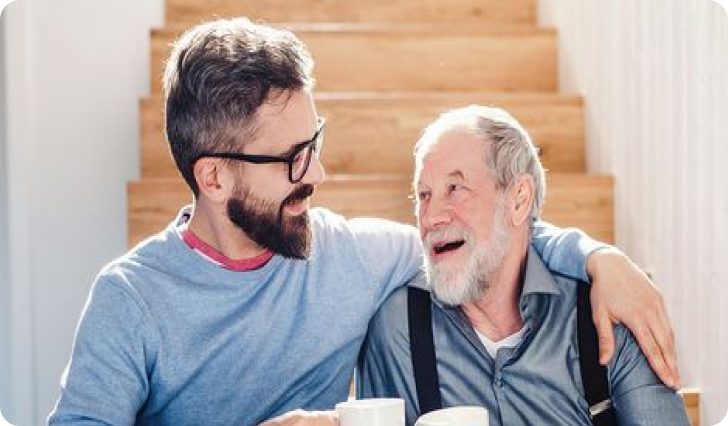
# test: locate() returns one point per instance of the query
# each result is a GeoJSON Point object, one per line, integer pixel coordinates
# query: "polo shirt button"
{"type": "Point", "coordinates": [499, 380]}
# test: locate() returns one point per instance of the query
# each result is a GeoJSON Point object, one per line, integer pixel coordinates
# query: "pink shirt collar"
{"type": "Point", "coordinates": [204, 249]}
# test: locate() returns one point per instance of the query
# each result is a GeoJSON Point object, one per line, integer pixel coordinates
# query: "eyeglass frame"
{"type": "Point", "coordinates": [316, 143]}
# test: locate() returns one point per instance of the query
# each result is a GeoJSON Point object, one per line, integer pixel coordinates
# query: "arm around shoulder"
{"type": "Point", "coordinates": [621, 293]}
{"type": "Point", "coordinates": [564, 250]}
{"type": "Point", "coordinates": [391, 251]}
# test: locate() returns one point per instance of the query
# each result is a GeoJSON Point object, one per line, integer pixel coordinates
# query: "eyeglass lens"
{"type": "Point", "coordinates": [300, 164]}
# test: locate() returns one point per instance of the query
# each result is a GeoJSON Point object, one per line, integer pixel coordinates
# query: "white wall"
{"type": "Point", "coordinates": [4, 285]}
{"type": "Point", "coordinates": [653, 73]}
{"type": "Point", "coordinates": [75, 71]}
{"type": "Point", "coordinates": [19, 314]}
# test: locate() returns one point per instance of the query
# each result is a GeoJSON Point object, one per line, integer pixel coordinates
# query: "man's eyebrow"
{"type": "Point", "coordinates": [297, 146]}
{"type": "Point", "coordinates": [293, 149]}
{"type": "Point", "coordinates": [456, 174]}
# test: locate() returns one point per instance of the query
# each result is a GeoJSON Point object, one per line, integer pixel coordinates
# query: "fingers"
{"type": "Point", "coordinates": [327, 418]}
{"type": "Point", "coordinates": [632, 298]}
{"type": "Point", "coordinates": [664, 338]}
{"type": "Point", "coordinates": [605, 333]}
{"type": "Point", "coordinates": [656, 338]}
{"type": "Point", "coordinates": [671, 358]}
{"type": "Point", "coordinates": [304, 418]}
{"type": "Point", "coordinates": [655, 356]}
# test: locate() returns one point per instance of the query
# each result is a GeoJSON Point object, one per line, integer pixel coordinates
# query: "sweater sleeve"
{"type": "Point", "coordinates": [564, 250]}
{"type": "Point", "coordinates": [391, 252]}
{"type": "Point", "coordinates": [106, 380]}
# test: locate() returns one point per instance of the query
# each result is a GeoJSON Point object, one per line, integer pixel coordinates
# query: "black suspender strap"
{"type": "Point", "coordinates": [424, 364]}
{"type": "Point", "coordinates": [593, 374]}
{"type": "Point", "coordinates": [422, 350]}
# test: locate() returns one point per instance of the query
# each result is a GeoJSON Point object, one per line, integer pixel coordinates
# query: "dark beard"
{"type": "Point", "coordinates": [289, 236]}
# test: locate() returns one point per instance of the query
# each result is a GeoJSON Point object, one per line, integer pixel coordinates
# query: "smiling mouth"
{"type": "Point", "coordinates": [297, 207]}
{"type": "Point", "coordinates": [447, 247]}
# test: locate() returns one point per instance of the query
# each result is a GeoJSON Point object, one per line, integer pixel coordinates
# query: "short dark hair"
{"type": "Point", "coordinates": [218, 74]}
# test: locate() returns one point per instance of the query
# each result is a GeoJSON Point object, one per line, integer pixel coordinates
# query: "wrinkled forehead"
{"type": "Point", "coordinates": [442, 154]}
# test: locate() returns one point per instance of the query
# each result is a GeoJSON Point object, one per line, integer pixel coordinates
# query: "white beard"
{"type": "Point", "coordinates": [450, 283]}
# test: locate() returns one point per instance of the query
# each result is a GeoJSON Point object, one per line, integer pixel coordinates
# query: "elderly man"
{"type": "Point", "coordinates": [503, 327]}
{"type": "Point", "coordinates": [250, 305]}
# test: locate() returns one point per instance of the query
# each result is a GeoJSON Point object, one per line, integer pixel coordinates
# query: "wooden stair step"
{"type": "Point", "coordinates": [435, 11]}
{"type": "Point", "coordinates": [375, 132]}
{"type": "Point", "coordinates": [415, 58]}
{"type": "Point", "coordinates": [691, 398]}
{"type": "Point", "coordinates": [579, 200]}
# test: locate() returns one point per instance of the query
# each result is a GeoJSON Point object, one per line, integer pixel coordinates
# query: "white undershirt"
{"type": "Point", "coordinates": [508, 342]}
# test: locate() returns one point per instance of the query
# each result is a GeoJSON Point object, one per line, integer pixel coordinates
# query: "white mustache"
{"type": "Point", "coordinates": [445, 234]}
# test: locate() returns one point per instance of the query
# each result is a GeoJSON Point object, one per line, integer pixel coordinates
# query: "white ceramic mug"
{"type": "Point", "coordinates": [371, 412]}
{"type": "Point", "coordinates": [455, 416]}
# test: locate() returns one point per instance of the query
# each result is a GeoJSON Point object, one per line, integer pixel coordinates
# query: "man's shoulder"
{"type": "Point", "coordinates": [325, 219]}
{"type": "Point", "coordinates": [155, 253]}
{"type": "Point", "coordinates": [332, 228]}
{"type": "Point", "coordinates": [388, 331]}
{"type": "Point", "coordinates": [392, 314]}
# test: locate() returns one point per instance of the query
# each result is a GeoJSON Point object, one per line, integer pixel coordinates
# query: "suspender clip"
{"type": "Point", "coordinates": [600, 407]}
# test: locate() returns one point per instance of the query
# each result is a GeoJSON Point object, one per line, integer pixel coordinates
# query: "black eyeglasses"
{"type": "Point", "coordinates": [298, 160]}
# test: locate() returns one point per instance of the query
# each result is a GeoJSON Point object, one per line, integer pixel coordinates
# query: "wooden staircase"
{"type": "Point", "coordinates": [384, 70]}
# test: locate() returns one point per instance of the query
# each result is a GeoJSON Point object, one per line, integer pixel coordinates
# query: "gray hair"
{"type": "Point", "coordinates": [217, 76]}
{"type": "Point", "coordinates": [509, 151]}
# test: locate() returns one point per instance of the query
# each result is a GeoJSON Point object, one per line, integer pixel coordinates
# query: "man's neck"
{"type": "Point", "coordinates": [216, 230]}
{"type": "Point", "coordinates": [497, 314]}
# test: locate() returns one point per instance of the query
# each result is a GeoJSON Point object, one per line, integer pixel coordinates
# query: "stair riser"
{"type": "Point", "coordinates": [359, 131]}
{"type": "Point", "coordinates": [398, 61]}
{"type": "Point", "coordinates": [515, 12]}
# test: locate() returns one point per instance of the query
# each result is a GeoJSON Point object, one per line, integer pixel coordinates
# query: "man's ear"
{"type": "Point", "coordinates": [211, 179]}
{"type": "Point", "coordinates": [522, 195]}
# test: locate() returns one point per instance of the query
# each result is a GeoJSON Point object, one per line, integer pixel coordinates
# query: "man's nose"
{"type": "Point", "coordinates": [315, 173]}
{"type": "Point", "coordinates": [437, 214]}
